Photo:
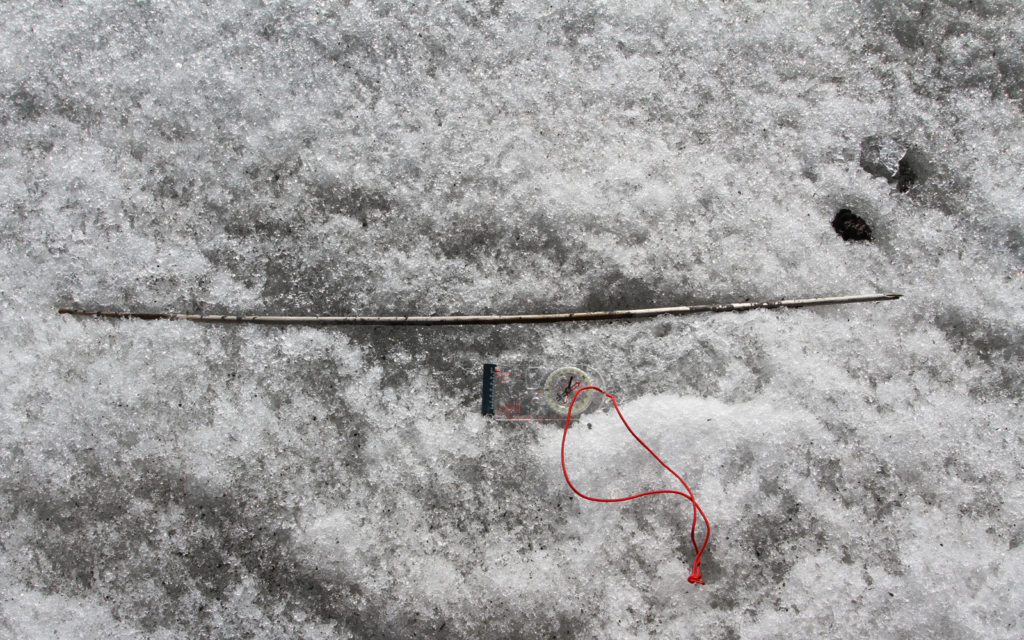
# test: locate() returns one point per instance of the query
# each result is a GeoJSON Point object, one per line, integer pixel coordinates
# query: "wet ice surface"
{"type": "Point", "coordinates": [860, 465]}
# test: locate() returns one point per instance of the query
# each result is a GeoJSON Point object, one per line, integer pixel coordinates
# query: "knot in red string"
{"type": "Point", "coordinates": [695, 575]}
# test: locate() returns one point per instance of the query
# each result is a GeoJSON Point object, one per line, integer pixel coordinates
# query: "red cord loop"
{"type": "Point", "coordinates": [695, 575]}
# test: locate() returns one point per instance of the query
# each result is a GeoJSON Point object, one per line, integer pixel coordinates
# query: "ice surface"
{"type": "Point", "coordinates": [860, 465]}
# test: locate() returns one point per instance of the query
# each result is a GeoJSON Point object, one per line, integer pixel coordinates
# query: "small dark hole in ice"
{"type": "Point", "coordinates": [851, 227]}
{"type": "Point", "coordinates": [906, 176]}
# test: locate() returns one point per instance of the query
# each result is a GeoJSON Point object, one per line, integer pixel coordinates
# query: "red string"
{"type": "Point", "coordinates": [695, 575]}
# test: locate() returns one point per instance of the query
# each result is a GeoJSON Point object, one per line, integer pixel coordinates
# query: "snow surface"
{"type": "Point", "coordinates": [860, 465]}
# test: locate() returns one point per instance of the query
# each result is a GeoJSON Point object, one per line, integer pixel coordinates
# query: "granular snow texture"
{"type": "Point", "coordinates": [861, 465]}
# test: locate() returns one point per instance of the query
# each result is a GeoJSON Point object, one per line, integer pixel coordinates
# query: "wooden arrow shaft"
{"type": "Point", "coordinates": [506, 319]}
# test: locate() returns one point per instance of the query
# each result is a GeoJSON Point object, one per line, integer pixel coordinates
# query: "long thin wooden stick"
{"type": "Point", "coordinates": [525, 319]}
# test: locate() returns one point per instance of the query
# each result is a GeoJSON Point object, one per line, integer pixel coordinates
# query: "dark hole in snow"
{"type": "Point", "coordinates": [851, 227]}
{"type": "Point", "coordinates": [906, 176]}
